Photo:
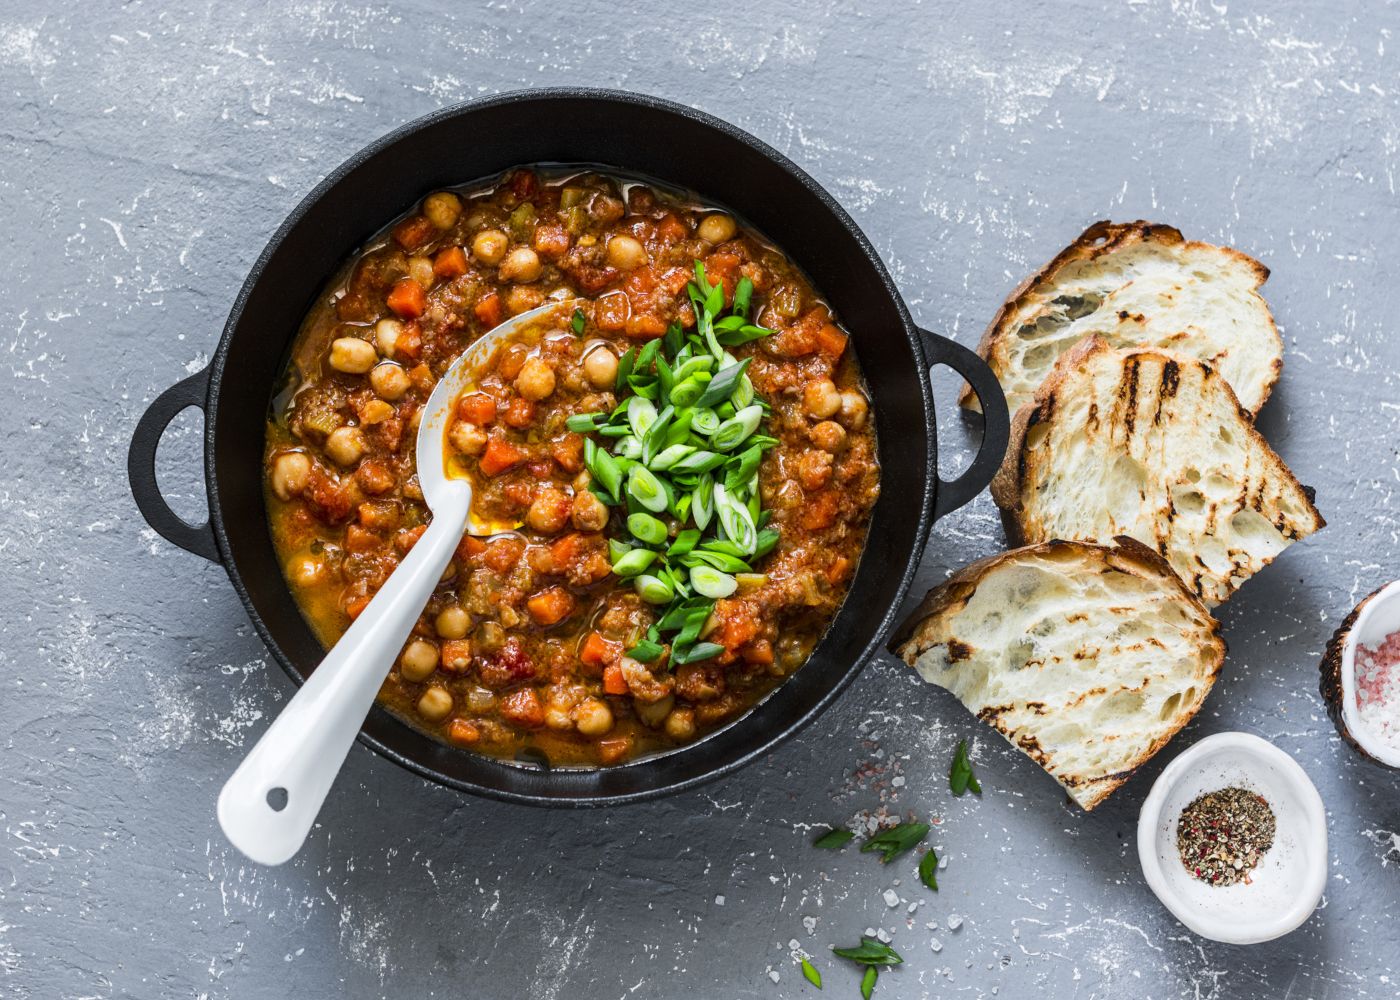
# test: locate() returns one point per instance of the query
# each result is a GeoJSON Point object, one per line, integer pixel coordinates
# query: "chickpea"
{"type": "Point", "coordinates": [345, 445]}
{"type": "Point", "coordinates": [626, 253]}
{"type": "Point", "coordinates": [442, 209]}
{"type": "Point", "coordinates": [489, 246]}
{"type": "Point", "coordinates": [600, 365]}
{"type": "Point", "coordinates": [418, 661]}
{"type": "Point", "coordinates": [523, 298]}
{"type": "Point", "coordinates": [549, 512]}
{"type": "Point", "coordinates": [389, 380]}
{"type": "Point", "coordinates": [680, 724]}
{"type": "Point", "coordinates": [853, 409]}
{"type": "Point", "coordinates": [386, 336]}
{"type": "Point", "coordinates": [467, 438]}
{"type": "Point", "coordinates": [589, 513]}
{"type": "Point", "coordinates": [536, 379]}
{"type": "Point", "coordinates": [521, 264]}
{"type": "Point", "coordinates": [557, 717]}
{"type": "Point", "coordinates": [420, 269]}
{"type": "Point", "coordinates": [716, 228]}
{"type": "Point", "coordinates": [305, 570]}
{"type": "Point", "coordinates": [290, 473]}
{"type": "Point", "coordinates": [452, 622]}
{"type": "Point", "coordinates": [353, 355]}
{"type": "Point", "coordinates": [821, 398]}
{"type": "Point", "coordinates": [829, 436]}
{"type": "Point", "coordinates": [593, 717]}
{"type": "Point", "coordinates": [512, 360]}
{"type": "Point", "coordinates": [435, 704]}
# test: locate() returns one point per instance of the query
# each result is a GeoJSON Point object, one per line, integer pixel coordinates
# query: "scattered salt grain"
{"type": "Point", "coordinates": [795, 944]}
{"type": "Point", "coordinates": [719, 900]}
{"type": "Point", "coordinates": [891, 898]}
{"type": "Point", "coordinates": [897, 782]}
{"type": "Point", "coordinates": [942, 862]}
{"type": "Point", "coordinates": [883, 935]}
{"type": "Point", "coordinates": [935, 944]}
{"type": "Point", "coordinates": [773, 975]}
{"type": "Point", "coordinates": [913, 906]}
{"type": "Point", "coordinates": [870, 932]}
{"type": "Point", "coordinates": [809, 924]}
{"type": "Point", "coordinates": [931, 925]}
{"type": "Point", "coordinates": [954, 921]}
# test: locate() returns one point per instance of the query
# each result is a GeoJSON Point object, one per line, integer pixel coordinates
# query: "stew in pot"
{"type": "Point", "coordinates": [679, 469]}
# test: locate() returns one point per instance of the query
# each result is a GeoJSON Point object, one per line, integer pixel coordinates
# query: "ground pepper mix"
{"type": "Point", "coordinates": [1222, 835]}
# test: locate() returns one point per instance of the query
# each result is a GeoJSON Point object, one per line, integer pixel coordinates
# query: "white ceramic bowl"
{"type": "Point", "coordinates": [1379, 616]}
{"type": "Point", "coordinates": [1287, 884]}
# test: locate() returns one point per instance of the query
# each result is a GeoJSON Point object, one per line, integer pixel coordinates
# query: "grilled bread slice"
{"type": "Point", "coordinates": [1138, 285]}
{"type": "Point", "coordinates": [1088, 658]}
{"type": "Point", "coordinates": [1153, 445]}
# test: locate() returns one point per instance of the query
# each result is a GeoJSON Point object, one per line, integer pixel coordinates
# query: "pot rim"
{"type": "Point", "coordinates": [762, 743]}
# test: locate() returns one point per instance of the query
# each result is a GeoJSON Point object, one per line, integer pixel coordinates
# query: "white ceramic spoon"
{"type": "Point", "coordinates": [267, 807]}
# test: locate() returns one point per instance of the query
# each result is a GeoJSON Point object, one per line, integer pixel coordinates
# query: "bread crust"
{"type": "Point", "coordinates": [1125, 554]}
{"type": "Point", "coordinates": [1009, 484]}
{"type": "Point", "coordinates": [1102, 239]}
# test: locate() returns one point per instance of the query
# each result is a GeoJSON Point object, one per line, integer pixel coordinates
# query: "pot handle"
{"type": "Point", "coordinates": [996, 423]}
{"type": "Point", "coordinates": [141, 467]}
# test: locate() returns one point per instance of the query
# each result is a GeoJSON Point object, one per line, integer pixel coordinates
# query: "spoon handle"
{"type": "Point", "coordinates": [302, 751]}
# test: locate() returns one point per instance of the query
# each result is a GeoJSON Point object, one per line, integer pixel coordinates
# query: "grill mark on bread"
{"type": "Point", "coordinates": [958, 651]}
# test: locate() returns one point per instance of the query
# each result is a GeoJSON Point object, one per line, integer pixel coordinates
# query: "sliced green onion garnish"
{"type": "Point", "coordinates": [646, 651]}
{"type": "Point", "coordinates": [699, 651]}
{"type": "Point", "coordinates": [624, 368]}
{"type": "Point", "coordinates": [583, 423]}
{"type": "Point", "coordinates": [710, 582]}
{"type": "Point", "coordinates": [723, 384]}
{"type": "Point", "coordinates": [641, 414]}
{"type": "Point", "coordinates": [702, 504]}
{"type": "Point", "coordinates": [735, 520]}
{"type": "Point", "coordinates": [671, 456]}
{"type": "Point", "coordinates": [578, 321]}
{"type": "Point", "coordinates": [633, 562]}
{"type": "Point", "coordinates": [646, 489]}
{"type": "Point", "coordinates": [704, 421]}
{"type": "Point", "coordinates": [628, 447]}
{"type": "Point", "coordinates": [616, 550]}
{"type": "Point", "coordinates": [685, 541]}
{"type": "Point", "coordinates": [603, 467]}
{"type": "Point", "coordinates": [743, 293]}
{"type": "Point", "coordinates": [653, 589]}
{"type": "Point", "coordinates": [647, 528]}
{"type": "Point", "coordinates": [767, 538]}
{"type": "Point", "coordinates": [734, 430]}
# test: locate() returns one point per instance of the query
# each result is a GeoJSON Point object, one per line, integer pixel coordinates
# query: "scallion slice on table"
{"type": "Point", "coordinates": [893, 842]}
{"type": "Point", "coordinates": [684, 445]}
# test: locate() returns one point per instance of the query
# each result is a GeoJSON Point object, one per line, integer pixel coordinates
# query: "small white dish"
{"type": "Point", "coordinates": [1287, 884]}
{"type": "Point", "coordinates": [1377, 617]}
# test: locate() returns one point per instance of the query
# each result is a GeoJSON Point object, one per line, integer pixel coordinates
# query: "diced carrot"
{"type": "Point", "coordinates": [450, 262]}
{"type": "Point", "coordinates": [489, 310]}
{"type": "Point", "coordinates": [374, 477]}
{"type": "Point", "coordinates": [671, 229]}
{"type": "Point", "coordinates": [613, 681]}
{"type": "Point", "coordinates": [568, 452]}
{"type": "Point", "coordinates": [379, 515]}
{"type": "Point", "coordinates": [675, 279]}
{"type": "Point", "coordinates": [551, 605]}
{"type": "Point", "coordinates": [477, 408]}
{"type": "Point", "coordinates": [412, 233]}
{"type": "Point", "coordinates": [408, 300]}
{"type": "Point", "coordinates": [550, 240]}
{"type": "Point", "coordinates": [520, 413]}
{"type": "Point", "coordinates": [463, 732]}
{"type": "Point", "coordinates": [502, 554]}
{"type": "Point", "coordinates": [597, 651]}
{"type": "Point", "coordinates": [831, 341]}
{"type": "Point", "coordinates": [358, 539]}
{"type": "Point", "coordinates": [500, 455]}
{"type": "Point", "coordinates": [409, 344]}
{"type": "Point", "coordinates": [408, 537]}
{"type": "Point", "coordinates": [839, 569]}
{"type": "Point", "coordinates": [470, 546]}
{"type": "Point", "coordinates": [640, 281]}
{"type": "Point", "coordinates": [566, 550]}
{"type": "Point", "coordinates": [456, 655]}
{"type": "Point", "coordinates": [422, 378]}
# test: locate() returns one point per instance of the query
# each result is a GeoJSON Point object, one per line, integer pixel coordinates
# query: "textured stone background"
{"type": "Point", "coordinates": [147, 155]}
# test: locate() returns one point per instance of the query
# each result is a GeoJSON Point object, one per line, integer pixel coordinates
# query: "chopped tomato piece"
{"type": "Point", "coordinates": [523, 707]}
{"type": "Point", "coordinates": [409, 345]}
{"type": "Point", "coordinates": [568, 452]}
{"type": "Point", "coordinates": [500, 455]}
{"type": "Point", "coordinates": [611, 311]}
{"type": "Point", "coordinates": [413, 232]}
{"type": "Point", "coordinates": [456, 655]}
{"type": "Point", "coordinates": [671, 229]}
{"type": "Point", "coordinates": [374, 477]}
{"type": "Point", "coordinates": [379, 515]}
{"type": "Point", "coordinates": [820, 511]}
{"type": "Point", "coordinates": [358, 539]}
{"type": "Point", "coordinates": [520, 413]}
{"type": "Point", "coordinates": [645, 326]}
{"type": "Point", "coordinates": [450, 262]}
{"type": "Point", "coordinates": [613, 681]}
{"type": "Point", "coordinates": [477, 408]}
{"type": "Point", "coordinates": [550, 240]}
{"type": "Point", "coordinates": [408, 300]}
{"type": "Point", "coordinates": [551, 606]}
{"type": "Point", "coordinates": [502, 554]}
{"type": "Point", "coordinates": [831, 341]}
{"type": "Point", "coordinates": [489, 310]}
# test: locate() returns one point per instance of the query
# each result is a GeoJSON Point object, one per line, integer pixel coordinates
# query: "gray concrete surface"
{"type": "Point", "coordinates": [148, 152]}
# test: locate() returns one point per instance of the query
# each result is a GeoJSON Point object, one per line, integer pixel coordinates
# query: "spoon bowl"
{"type": "Point", "coordinates": [268, 805]}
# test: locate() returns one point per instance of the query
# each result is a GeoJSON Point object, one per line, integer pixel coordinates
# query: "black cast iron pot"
{"type": "Point", "coordinates": [632, 134]}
